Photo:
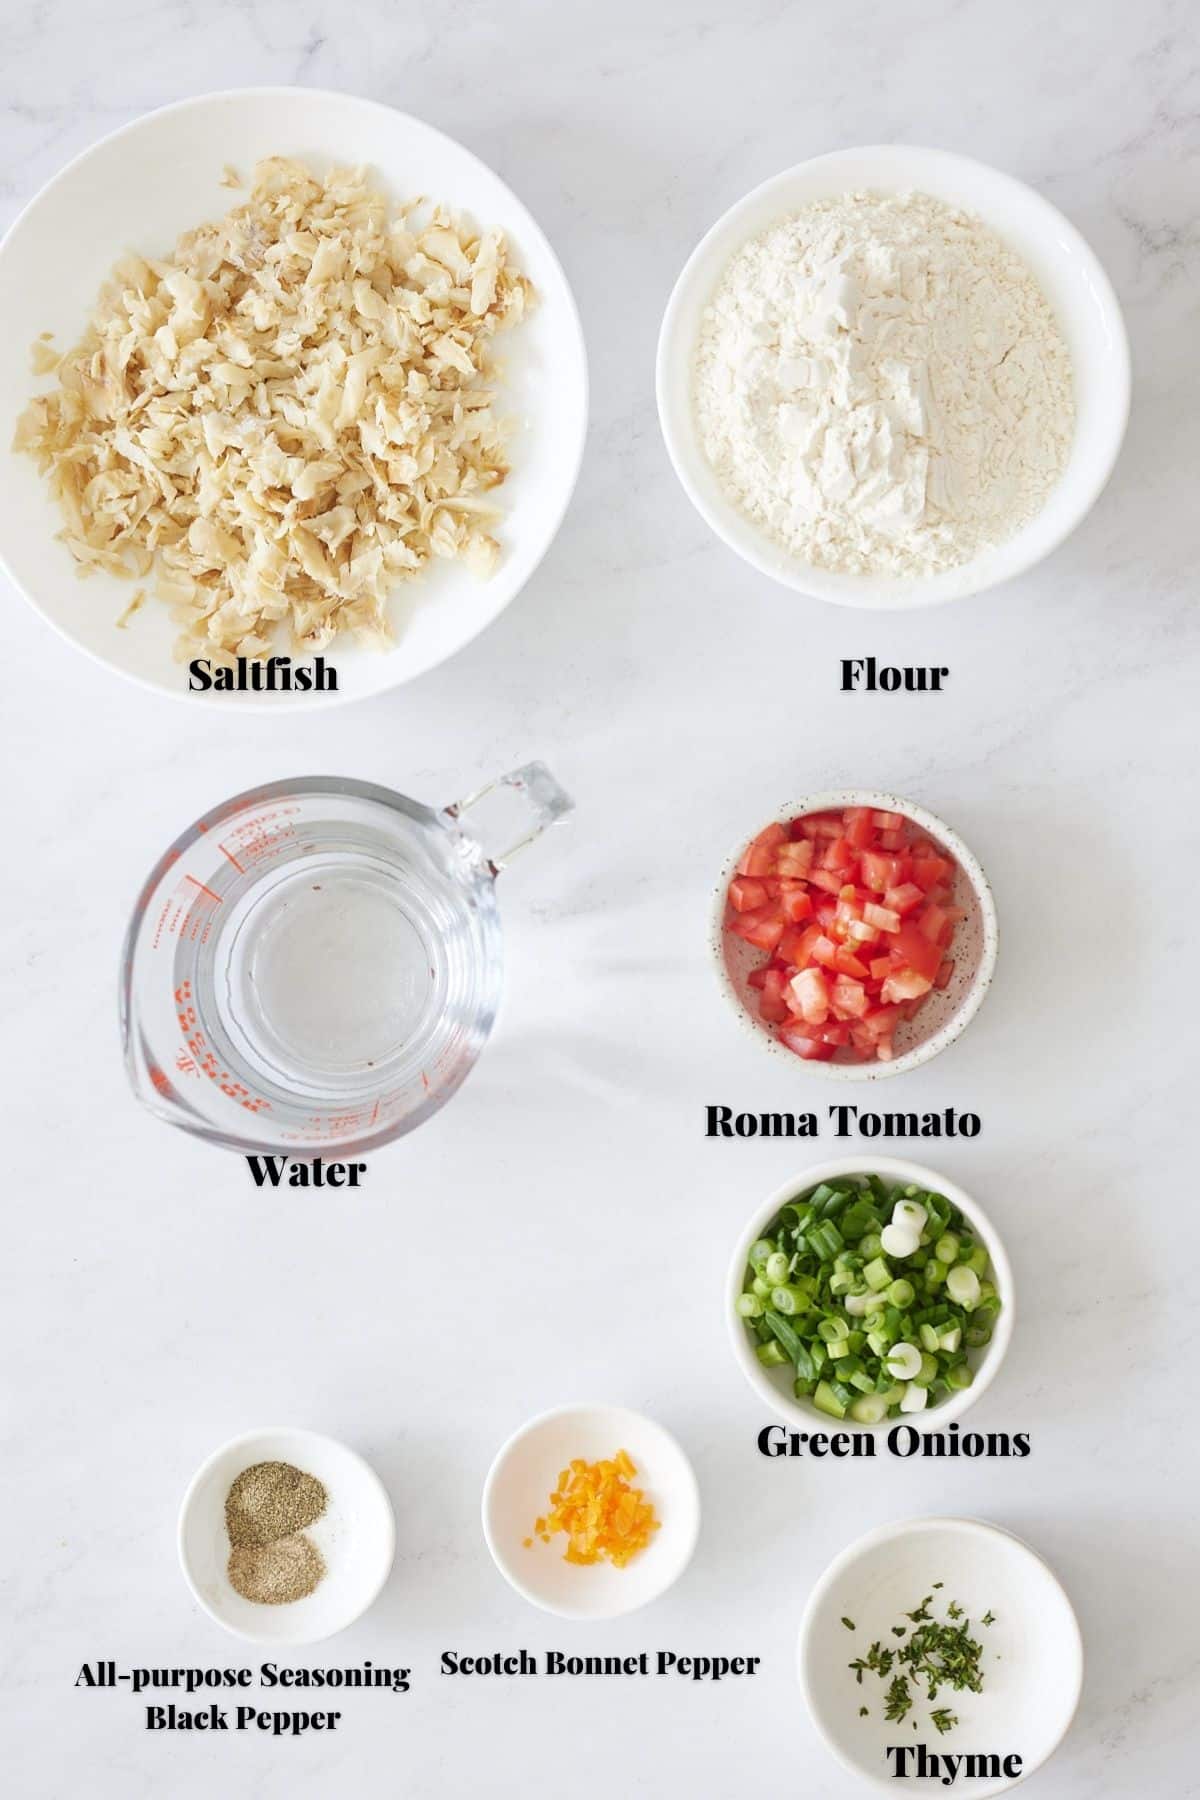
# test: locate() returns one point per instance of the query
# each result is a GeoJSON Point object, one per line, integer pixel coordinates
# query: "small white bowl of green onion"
{"type": "Point", "coordinates": [868, 1293]}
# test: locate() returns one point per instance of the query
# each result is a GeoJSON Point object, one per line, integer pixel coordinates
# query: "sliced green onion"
{"type": "Point", "coordinates": [789, 1300]}
{"type": "Point", "coordinates": [911, 1214]}
{"type": "Point", "coordinates": [865, 1339]}
{"type": "Point", "coordinates": [776, 1266]}
{"type": "Point", "coordinates": [903, 1361]}
{"type": "Point", "coordinates": [962, 1284]}
{"type": "Point", "coordinates": [869, 1409]}
{"type": "Point", "coordinates": [827, 1401]}
{"type": "Point", "coordinates": [877, 1275]}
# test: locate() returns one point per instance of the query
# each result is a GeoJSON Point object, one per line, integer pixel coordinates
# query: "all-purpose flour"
{"type": "Point", "coordinates": [881, 383]}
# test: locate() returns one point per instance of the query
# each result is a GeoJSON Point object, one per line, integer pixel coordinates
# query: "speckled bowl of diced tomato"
{"type": "Point", "coordinates": [856, 932]}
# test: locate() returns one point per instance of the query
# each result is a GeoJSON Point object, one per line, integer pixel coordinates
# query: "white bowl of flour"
{"type": "Point", "coordinates": [891, 377]}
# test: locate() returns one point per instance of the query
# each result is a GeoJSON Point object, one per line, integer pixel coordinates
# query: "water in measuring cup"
{"type": "Point", "coordinates": [332, 971]}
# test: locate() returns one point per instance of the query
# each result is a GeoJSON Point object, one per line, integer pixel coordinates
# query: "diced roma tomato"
{"type": "Point", "coordinates": [803, 948]}
{"type": "Point", "coordinates": [846, 963]}
{"type": "Point", "coordinates": [933, 922]}
{"type": "Point", "coordinates": [757, 862]}
{"type": "Point", "coordinates": [881, 871]}
{"type": "Point", "coordinates": [860, 828]}
{"type": "Point", "coordinates": [815, 894]}
{"type": "Point", "coordinates": [839, 853]}
{"type": "Point", "coordinates": [826, 880]}
{"type": "Point", "coordinates": [772, 1006]}
{"type": "Point", "coordinates": [849, 998]}
{"type": "Point", "coordinates": [810, 1048]}
{"type": "Point", "coordinates": [763, 929]}
{"type": "Point", "coordinates": [746, 895]}
{"type": "Point", "coordinates": [795, 860]}
{"type": "Point", "coordinates": [902, 899]}
{"type": "Point", "coordinates": [915, 949]}
{"type": "Point", "coordinates": [812, 991]}
{"type": "Point", "coordinates": [793, 947]}
{"type": "Point", "coordinates": [905, 984]}
{"type": "Point", "coordinates": [797, 906]}
{"type": "Point", "coordinates": [928, 871]}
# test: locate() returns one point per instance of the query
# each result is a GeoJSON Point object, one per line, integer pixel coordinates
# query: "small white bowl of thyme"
{"type": "Point", "coordinates": [938, 1648]}
{"type": "Point", "coordinates": [285, 1536]}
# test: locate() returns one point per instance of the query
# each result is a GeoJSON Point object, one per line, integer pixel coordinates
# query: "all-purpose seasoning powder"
{"type": "Point", "coordinates": [271, 1561]}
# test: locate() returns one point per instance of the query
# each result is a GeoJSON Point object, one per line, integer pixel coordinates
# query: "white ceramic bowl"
{"type": "Point", "coordinates": [160, 175]}
{"type": "Point", "coordinates": [945, 1014]}
{"type": "Point", "coordinates": [356, 1535]}
{"type": "Point", "coordinates": [1070, 275]}
{"type": "Point", "coordinates": [517, 1492]}
{"type": "Point", "coordinates": [1033, 1653]}
{"type": "Point", "coordinates": [774, 1386]}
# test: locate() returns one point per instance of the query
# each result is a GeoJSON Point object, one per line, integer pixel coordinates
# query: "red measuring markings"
{"type": "Point", "coordinates": [205, 1063]}
{"type": "Point", "coordinates": [203, 889]}
{"type": "Point", "coordinates": [232, 858]}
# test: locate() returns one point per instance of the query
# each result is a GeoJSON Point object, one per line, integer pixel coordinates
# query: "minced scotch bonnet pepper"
{"type": "Point", "coordinates": [603, 1517]}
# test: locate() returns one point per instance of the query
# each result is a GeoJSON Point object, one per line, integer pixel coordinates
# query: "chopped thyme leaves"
{"type": "Point", "coordinates": [851, 1626]}
{"type": "Point", "coordinates": [877, 1661]}
{"type": "Point", "coordinates": [936, 1655]}
{"type": "Point", "coordinates": [899, 1700]}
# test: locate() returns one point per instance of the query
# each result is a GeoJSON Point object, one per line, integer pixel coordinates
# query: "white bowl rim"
{"type": "Point", "coordinates": [691, 1489]}
{"type": "Point", "coordinates": [897, 1169]}
{"type": "Point", "coordinates": [888, 1533]}
{"type": "Point", "coordinates": [297, 702]}
{"type": "Point", "coordinates": [834, 800]}
{"type": "Point", "coordinates": [810, 580]}
{"type": "Point", "coordinates": [243, 1441]}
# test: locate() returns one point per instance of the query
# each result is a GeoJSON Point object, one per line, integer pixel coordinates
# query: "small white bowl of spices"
{"type": "Point", "coordinates": [893, 376]}
{"type": "Point", "coordinates": [285, 1536]}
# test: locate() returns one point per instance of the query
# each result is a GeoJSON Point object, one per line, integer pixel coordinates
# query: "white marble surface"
{"type": "Point", "coordinates": [154, 1304]}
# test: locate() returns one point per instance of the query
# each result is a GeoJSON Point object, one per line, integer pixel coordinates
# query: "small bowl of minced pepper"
{"type": "Point", "coordinates": [867, 1294]}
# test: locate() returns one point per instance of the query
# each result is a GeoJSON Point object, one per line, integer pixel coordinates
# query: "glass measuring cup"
{"type": "Point", "coordinates": [314, 967]}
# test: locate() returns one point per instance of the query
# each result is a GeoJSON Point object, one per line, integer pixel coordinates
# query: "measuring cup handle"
{"type": "Point", "coordinates": [525, 800]}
